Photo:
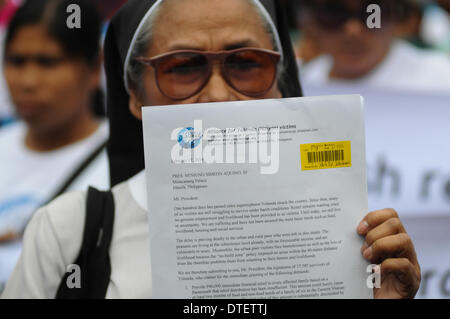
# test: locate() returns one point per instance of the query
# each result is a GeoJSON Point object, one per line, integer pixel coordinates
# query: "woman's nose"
{"type": "Point", "coordinates": [217, 89]}
{"type": "Point", "coordinates": [30, 77]}
{"type": "Point", "coordinates": [354, 27]}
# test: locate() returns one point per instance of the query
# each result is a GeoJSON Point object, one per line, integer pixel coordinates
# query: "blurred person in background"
{"type": "Point", "coordinates": [52, 72]}
{"type": "Point", "coordinates": [305, 44]}
{"type": "Point", "coordinates": [353, 53]}
{"type": "Point", "coordinates": [7, 9]}
{"type": "Point", "coordinates": [408, 27]}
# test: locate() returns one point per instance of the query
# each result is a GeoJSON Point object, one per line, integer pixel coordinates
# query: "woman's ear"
{"type": "Point", "coordinates": [135, 105]}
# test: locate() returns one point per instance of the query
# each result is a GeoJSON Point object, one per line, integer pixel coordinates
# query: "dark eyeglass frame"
{"type": "Point", "coordinates": [211, 57]}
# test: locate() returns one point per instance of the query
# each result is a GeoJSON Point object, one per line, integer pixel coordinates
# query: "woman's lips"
{"type": "Point", "coordinates": [354, 50]}
{"type": "Point", "coordinates": [28, 108]}
{"type": "Point", "coordinates": [353, 47]}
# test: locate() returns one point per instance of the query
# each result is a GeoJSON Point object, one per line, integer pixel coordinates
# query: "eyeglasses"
{"type": "Point", "coordinates": [182, 74]}
{"type": "Point", "coordinates": [333, 15]}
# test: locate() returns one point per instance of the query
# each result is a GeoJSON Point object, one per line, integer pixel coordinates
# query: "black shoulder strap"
{"type": "Point", "coordinates": [77, 172]}
{"type": "Point", "coordinates": [93, 260]}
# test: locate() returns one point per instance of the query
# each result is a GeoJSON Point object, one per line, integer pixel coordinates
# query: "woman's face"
{"type": "Point", "coordinates": [48, 89]}
{"type": "Point", "coordinates": [212, 25]}
{"type": "Point", "coordinates": [356, 49]}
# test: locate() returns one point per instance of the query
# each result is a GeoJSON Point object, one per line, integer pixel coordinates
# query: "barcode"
{"type": "Point", "coordinates": [326, 156]}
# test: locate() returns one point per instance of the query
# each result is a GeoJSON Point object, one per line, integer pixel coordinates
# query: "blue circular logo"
{"type": "Point", "coordinates": [188, 138]}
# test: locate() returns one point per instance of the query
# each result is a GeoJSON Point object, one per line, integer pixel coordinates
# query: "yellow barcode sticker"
{"type": "Point", "coordinates": [325, 155]}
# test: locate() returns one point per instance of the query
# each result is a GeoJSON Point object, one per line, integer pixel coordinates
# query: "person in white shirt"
{"type": "Point", "coordinates": [260, 64]}
{"type": "Point", "coordinates": [52, 73]}
{"type": "Point", "coordinates": [355, 54]}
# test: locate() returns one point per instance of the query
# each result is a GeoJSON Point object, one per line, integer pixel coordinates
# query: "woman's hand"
{"type": "Point", "coordinates": [388, 245]}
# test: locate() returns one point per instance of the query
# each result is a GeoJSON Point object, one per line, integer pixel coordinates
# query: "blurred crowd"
{"type": "Point", "coordinates": [53, 129]}
{"type": "Point", "coordinates": [409, 51]}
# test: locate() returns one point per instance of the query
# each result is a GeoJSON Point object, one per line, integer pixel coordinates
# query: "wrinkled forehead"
{"type": "Point", "coordinates": [208, 25]}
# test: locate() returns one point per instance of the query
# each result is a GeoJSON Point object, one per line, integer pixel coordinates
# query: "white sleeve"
{"type": "Point", "coordinates": [51, 242]}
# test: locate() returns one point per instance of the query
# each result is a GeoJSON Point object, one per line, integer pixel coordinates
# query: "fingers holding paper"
{"type": "Point", "coordinates": [388, 244]}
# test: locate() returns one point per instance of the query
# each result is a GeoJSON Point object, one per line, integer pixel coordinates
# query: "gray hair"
{"type": "Point", "coordinates": [135, 70]}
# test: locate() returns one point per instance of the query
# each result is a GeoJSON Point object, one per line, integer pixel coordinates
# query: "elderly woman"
{"type": "Point", "coordinates": [160, 53]}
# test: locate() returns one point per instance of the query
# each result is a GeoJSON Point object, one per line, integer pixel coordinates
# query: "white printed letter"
{"type": "Point", "coordinates": [374, 20]}
{"type": "Point", "coordinates": [73, 280]}
{"type": "Point", "coordinates": [74, 19]}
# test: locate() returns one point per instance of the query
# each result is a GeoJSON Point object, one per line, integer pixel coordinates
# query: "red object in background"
{"type": "Point", "coordinates": [7, 11]}
{"type": "Point", "coordinates": [107, 8]}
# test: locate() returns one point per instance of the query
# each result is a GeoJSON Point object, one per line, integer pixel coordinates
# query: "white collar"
{"type": "Point", "coordinates": [138, 189]}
